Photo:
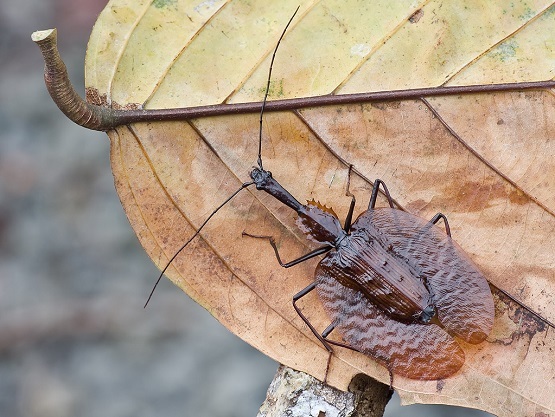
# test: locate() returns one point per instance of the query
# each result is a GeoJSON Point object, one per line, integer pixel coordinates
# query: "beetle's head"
{"type": "Point", "coordinates": [261, 177]}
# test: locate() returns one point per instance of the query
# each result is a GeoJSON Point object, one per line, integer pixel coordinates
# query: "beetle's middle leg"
{"type": "Point", "coordinates": [375, 191]}
{"type": "Point", "coordinates": [441, 216]}
{"type": "Point", "coordinates": [373, 198]}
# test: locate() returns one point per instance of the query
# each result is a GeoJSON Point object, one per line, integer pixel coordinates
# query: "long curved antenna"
{"type": "Point", "coordinates": [245, 185]}
{"type": "Point", "coordinates": [268, 89]}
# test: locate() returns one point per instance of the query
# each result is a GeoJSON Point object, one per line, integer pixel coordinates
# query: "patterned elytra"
{"type": "Point", "coordinates": [457, 289]}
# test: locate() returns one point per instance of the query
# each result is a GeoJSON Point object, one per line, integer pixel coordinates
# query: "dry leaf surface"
{"type": "Point", "coordinates": [486, 161]}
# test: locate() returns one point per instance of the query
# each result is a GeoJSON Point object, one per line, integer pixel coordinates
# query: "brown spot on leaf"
{"type": "Point", "coordinates": [393, 105]}
{"type": "Point", "coordinates": [416, 16]}
{"type": "Point", "coordinates": [477, 196]}
{"type": "Point", "coordinates": [518, 197]}
{"type": "Point", "coordinates": [527, 323]}
{"type": "Point", "coordinates": [94, 97]}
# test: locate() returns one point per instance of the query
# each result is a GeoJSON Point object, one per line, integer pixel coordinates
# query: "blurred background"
{"type": "Point", "coordinates": [74, 338]}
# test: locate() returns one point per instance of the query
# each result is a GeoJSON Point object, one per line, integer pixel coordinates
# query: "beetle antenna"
{"type": "Point", "coordinates": [245, 185]}
{"type": "Point", "coordinates": [268, 89]}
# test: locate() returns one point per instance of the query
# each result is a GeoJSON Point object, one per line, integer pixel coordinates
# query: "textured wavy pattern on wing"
{"type": "Point", "coordinates": [459, 290]}
{"type": "Point", "coordinates": [416, 351]}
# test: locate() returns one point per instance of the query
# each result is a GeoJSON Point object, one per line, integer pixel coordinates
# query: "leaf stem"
{"type": "Point", "coordinates": [105, 118]}
{"type": "Point", "coordinates": [60, 88]}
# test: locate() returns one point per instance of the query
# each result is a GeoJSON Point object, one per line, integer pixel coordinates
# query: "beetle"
{"type": "Point", "coordinates": [397, 287]}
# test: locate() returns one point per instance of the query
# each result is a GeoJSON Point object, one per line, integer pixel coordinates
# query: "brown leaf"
{"type": "Point", "coordinates": [483, 160]}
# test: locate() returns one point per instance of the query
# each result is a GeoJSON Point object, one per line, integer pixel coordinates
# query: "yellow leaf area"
{"type": "Point", "coordinates": [485, 161]}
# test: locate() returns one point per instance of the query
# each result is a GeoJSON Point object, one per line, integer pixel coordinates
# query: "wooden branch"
{"type": "Point", "coordinates": [294, 393]}
{"type": "Point", "coordinates": [60, 88]}
{"type": "Point", "coordinates": [104, 118]}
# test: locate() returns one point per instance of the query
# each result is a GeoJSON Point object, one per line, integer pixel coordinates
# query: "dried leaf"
{"type": "Point", "coordinates": [483, 160]}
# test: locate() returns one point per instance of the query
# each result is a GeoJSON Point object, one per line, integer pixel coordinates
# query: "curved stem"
{"type": "Point", "coordinates": [60, 88]}
{"type": "Point", "coordinates": [104, 118]}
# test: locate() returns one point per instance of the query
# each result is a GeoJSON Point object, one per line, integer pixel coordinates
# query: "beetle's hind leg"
{"type": "Point", "coordinates": [306, 257]}
{"type": "Point", "coordinates": [327, 332]}
{"type": "Point", "coordinates": [434, 220]}
{"type": "Point", "coordinates": [330, 329]}
{"type": "Point", "coordinates": [322, 339]}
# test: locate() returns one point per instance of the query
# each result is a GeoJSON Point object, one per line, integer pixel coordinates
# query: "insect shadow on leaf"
{"type": "Point", "coordinates": [396, 287]}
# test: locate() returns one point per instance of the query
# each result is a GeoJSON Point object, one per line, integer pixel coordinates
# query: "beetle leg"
{"type": "Point", "coordinates": [391, 389]}
{"type": "Point", "coordinates": [348, 193]}
{"type": "Point", "coordinates": [296, 298]}
{"type": "Point", "coordinates": [312, 254]}
{"type": "Point", "coordinates": [374, 196]}
{"type": "Point", "coordinates": [340, 344]}
{"type": "Point", "coordinates": [438, 217]}
{"type": "Point", "coordinates": [434, 220]}
{"type": "Point", "coordinates": [349, 217]}
{"type": "Point", "coordinates": [330, 329]}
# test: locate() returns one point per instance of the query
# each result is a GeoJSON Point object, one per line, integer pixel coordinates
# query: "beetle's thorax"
{"type": "Point", "coordinates": [320, 224]}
